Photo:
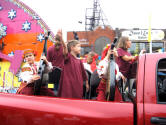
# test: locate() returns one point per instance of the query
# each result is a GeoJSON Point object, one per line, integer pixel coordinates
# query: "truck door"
{"type": "Point", "coordinates": [155, 89]}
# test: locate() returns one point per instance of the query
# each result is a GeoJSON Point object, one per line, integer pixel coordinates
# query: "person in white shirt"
{"type": "Point", "coordinates": [89, 60]}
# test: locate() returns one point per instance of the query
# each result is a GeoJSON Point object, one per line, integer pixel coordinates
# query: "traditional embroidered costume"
{"type": "Point", "coordinates": [102, 70]}
{"type": "Point", "coordinates": [27, 73]}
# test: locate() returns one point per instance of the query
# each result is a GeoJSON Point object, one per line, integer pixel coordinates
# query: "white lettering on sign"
{"type": "Point", "coordinates": [84, 41]}
{"type": "Point", "coordinates": [143, 34]}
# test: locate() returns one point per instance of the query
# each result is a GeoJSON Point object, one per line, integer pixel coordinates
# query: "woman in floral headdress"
{"type": "Point", "coordinates": [102, 71]}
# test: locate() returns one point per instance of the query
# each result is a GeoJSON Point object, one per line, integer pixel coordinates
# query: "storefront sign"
{"type": "Point", "coordinates": [143, 34]}
{"type": "Point", "coordinates": [84, 41]}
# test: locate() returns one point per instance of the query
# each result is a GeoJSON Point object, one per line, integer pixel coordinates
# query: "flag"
{"type": "Point", "coordinates": [149, 30]}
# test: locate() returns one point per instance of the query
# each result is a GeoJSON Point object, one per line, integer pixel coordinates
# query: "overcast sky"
{"type": "Point", "coordinates": [65, 14]}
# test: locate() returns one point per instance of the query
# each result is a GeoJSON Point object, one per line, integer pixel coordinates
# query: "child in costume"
{"type": "Point", "coordinates": [102, 70]}
{"type": "Point", "coordinates": [71, 86]}
{"type": "Point", "coordinates": [29, 75]}
{"type": "Point", "coordinates": [90, 63]}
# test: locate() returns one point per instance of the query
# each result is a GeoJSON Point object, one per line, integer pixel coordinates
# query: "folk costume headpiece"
{"type": "Point", "coordinates": [28, 51]}
{"type": "Point", "coordinates": [104, 53]}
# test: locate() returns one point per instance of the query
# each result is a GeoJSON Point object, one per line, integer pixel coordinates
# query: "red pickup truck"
{"type": "Point", "coordinates": [146, 107]}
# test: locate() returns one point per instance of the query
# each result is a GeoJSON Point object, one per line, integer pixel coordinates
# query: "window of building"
{"type": "Point", "coordinates": [136, 47]}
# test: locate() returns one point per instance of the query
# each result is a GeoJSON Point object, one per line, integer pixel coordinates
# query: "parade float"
{"type": "Point", "coordinates": [20, 28]}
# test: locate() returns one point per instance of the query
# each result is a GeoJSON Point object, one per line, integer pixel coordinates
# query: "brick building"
{"type": "Point", "coordinates": [94, 40]}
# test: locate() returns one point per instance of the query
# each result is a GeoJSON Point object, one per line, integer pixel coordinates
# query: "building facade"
{"type": "Point", "coordinates": [139, 38]}
{"type": "Point", "coordinates": [96, 40]}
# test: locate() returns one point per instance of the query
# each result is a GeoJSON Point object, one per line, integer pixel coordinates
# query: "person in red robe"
{"type": "Point", "coordinates": [124, 59]}
{"type": "Point", "coordinates": [56, 55]}
{"type": "Point", "coordinates": [56, 52]}
{"type": "Point", "coordinates": [71, 86]}
{"type": "Point", "coordinates": [126, 62]}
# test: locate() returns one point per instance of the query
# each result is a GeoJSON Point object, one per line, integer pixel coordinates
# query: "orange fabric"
{"type": "Point", "coordinates": [12, 43]}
